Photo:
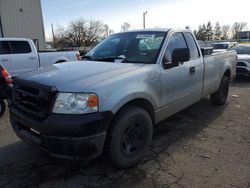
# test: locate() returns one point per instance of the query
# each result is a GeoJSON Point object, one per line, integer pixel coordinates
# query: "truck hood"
{"type": "Point", "coordinates": [77, 76]}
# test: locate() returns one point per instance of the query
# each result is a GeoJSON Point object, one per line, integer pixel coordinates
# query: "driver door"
{"type": "Point", "coordinates": [177, 90]}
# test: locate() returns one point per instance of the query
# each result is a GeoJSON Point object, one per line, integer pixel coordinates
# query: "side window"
{"type": "Point", "coordinates": [20, 47]}
{"type": "Point", "coordinates": [194, 52]}
{"type": "Point", "coordinates": [176, 41]}
{"type": "Point", "coordinates": [4, 47]}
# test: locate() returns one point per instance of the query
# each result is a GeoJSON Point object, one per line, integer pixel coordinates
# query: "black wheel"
{"type": "Point", "coordinates": [129, 137]}
{"type": "Point", "coordinates": [2, 107]}
{"type": "Point", "coordinates": [220, 96]}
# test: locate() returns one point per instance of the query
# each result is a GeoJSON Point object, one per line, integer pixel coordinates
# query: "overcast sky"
{"type": "Point", "coordinates": [160, 13]}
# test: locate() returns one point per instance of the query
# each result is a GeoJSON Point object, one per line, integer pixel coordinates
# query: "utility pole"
{"type": "Point", "coordinates": [53, 36]}
{"type": "Point", "coordinates": [144, 19]}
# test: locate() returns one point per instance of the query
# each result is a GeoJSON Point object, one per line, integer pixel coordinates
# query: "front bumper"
{"type": "Point", "coordinates": [65, 136]}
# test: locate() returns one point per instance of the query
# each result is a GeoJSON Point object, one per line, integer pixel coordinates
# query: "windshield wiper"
{"type": "Point", "coordinates": [108, 58]}
{"type": "Point", "coordinates": [123, 59]}
{"type": "Point", "coordinates": [113, 58]}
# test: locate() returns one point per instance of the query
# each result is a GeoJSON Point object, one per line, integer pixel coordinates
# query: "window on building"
{"type": "Point", "coordinates": [20, 47]}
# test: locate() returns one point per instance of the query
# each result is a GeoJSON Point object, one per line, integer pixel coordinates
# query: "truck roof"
{"type": "Point", "coordinates": [158, 30]}
{"type": "Point", "coordinates": [16, 39]}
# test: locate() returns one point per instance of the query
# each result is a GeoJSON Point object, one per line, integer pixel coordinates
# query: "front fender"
{"type": "Point", "coordinates": [124, 94]}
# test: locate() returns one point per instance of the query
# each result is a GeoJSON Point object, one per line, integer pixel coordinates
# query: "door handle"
{"type": "Point", "coordinates": [4, 59]}
{"type": "Point", "coordinates": [32, 58]}
{"type": "Point", "coordinates": [192, 70]}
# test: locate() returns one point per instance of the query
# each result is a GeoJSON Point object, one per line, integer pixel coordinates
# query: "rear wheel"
{"type": "Point", "coordinates": [130, 136]}
{"type": "Point", "coordinates": [220, 96]}
{"type": "Point", "coordinates": [2, 107]}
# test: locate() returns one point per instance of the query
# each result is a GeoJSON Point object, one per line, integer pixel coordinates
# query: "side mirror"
{"type": "Point", "coordinates": [180, 55]}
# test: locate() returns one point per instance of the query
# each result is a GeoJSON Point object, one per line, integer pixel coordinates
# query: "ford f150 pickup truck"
{"type": "Point", "coordinates": [111, 101]}
{"type": "Point", "coordinates": [20, 56]}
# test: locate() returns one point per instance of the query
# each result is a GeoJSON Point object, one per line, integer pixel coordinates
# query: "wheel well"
{"type": "Point", "coordinates": [142, 103]}
{"type": "Point", "coordinates": [60, 61]}
{"type": "Point", "coordinates": [228, 73]}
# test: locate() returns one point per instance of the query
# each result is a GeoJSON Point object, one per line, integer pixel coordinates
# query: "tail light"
{"type": "Point", "coordinates": [78, 56]}
{"type": "Point", "coordinates": [7, 77]}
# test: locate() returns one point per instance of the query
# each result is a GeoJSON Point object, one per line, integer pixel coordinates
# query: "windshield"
{"type": "Point", "coordinates": [130, 47]}
{"type": "Point", "coordinates": [220, 46]}
{"type": "Point", "coordinates": [242, 49]}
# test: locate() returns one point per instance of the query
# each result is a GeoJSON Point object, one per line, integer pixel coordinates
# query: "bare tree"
{"type": "Point", "coordinates": [111, 32]}
{"type": "Point", "coordinates": [61, 38]}
{"type": "Point", "coordinates": [237, 27]}
{"type": "Point", "coordinates": [77, 32]}
{"type": "Point", "coordinates": [225, 32]}
{"type": "Point", "coordinates": [95, 31]}
{"type": "Point", "coordinates": [125, 26]}
{"type": "Point", "coordinates": [106, 30]}
{"type": "Point", "coordinates": [82, 32]}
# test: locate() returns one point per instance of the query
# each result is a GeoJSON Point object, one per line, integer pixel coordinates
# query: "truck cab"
{"type": "Point", "coordinates": [18, 55]}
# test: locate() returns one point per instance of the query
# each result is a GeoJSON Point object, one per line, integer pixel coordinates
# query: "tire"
{"type": "Point", "coordinates": [220, 96]}
{"type": "Point", "coordinates": [129, 136]}
{"type": "Point", "coordinates": [2, 107]}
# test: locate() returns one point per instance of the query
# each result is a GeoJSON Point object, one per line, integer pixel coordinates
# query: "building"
{"type": "Point", "coordinates": [244, 36]}
{"type": "Point", "coordinates": [22, 19]}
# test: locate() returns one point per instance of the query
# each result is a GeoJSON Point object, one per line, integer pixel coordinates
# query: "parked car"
{"type": "Point", "coordinates": [20, 56]}
{"type": "Point", "coordinates": [113, 106]}
{"type": "Point", "coordinates": [221, 46]}
{"type": "Point", "coordinates": [5, 88]}
{"type": "Point", "coordinates": [243, 64]}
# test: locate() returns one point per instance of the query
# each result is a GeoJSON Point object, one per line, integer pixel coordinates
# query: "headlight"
{"type": "Point", "coordinates": [75, 103]}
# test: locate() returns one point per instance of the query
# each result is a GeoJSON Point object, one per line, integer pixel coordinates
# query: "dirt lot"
{"type": "Point", "coordinates": [203, 146]}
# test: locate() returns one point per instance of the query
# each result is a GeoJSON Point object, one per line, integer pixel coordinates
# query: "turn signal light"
{"type": "Point", "coordinates": [92, 101]}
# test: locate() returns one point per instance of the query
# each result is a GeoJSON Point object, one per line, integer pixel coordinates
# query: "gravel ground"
{"type": "Point", "coordinates": [202, 146]}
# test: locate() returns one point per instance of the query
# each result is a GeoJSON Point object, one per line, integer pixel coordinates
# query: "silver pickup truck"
{"type": "Point", "coordinates": [111, 101]}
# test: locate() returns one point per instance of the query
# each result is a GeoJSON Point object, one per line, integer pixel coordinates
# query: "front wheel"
{"type": "Point", "coordinates": [2, 107]}
{"type": "Point", "coordinates": [130, 136]}
{"type": "Point", "coordinates": [220, 96]}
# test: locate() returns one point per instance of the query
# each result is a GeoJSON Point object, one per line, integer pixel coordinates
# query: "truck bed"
{"type": "Point", "coordinates": [212, 74]}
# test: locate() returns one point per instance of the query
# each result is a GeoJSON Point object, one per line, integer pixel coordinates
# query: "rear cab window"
{"type": "Point", "coordinates": [20, 47]}
{"type": "Point", "coordinates": [4, 47]}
